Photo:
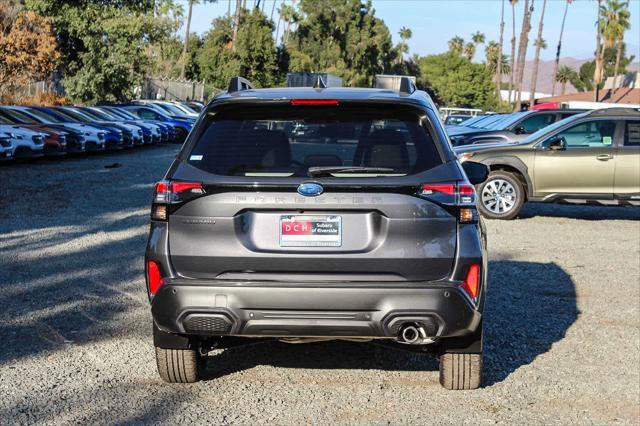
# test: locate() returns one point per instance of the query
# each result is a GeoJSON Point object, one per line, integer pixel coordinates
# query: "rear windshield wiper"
{"type": "Point", "coordinates": [328, 170]}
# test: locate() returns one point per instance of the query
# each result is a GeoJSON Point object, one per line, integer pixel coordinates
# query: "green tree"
{"type": "Point", "coordinates": [616, 20]}
{"type": "Point", "coordinates": [469, 50]}
{"type": "Point", "coordinates": [403, 47]}
{"type": "Point", "coordinates": [557, 61]}
{"type": "Point", "coordinates": [584, 81]}
{"type": "Point", "coordinates": [565, 75]}
{"type": "Point", "coordinates": [343, 37]}
{"type": "Point", "coordinates": [254, 57]}
{"type": "Point", "coordinates": [216, 60]}
{"type": "Point", "coordinates": [456, 45]}
{"type": "Point", "coordinates": [184, 58]}
{"type": "Point", "coordinates": [454, 81]}
{"type": "Point", "coordinates": [104, 45]}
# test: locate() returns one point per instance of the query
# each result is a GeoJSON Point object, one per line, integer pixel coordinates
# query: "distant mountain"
{"type": "Point", "coordinates": [545, 74]}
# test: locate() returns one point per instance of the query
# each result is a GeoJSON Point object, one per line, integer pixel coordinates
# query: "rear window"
{"type": "Point", "coordinates": [287, 141]}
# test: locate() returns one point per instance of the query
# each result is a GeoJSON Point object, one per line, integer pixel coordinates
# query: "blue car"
{"type": "Point", "coordinates": [148, 132]}
{"type": "Point", "coordinates": [169, 133]}
{"type": "Point", "coordinates": [113, 136]}
{"type": "Point", "coordinates": [181, 125]}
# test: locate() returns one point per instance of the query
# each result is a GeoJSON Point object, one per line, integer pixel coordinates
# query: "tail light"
{"type": "Point", "coordinates": [471, 283]}
{"type": "Point", "coordinates": [169, 193]}
{"type": "Point", "coordinates": [154, 277]}
{"type": "Point", "coordinates": [457, 196]}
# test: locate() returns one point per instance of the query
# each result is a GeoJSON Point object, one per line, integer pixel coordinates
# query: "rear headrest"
{"type": "Point", "coordinates": [266, 148]}
{"type": "Point", "coordinates": [386, 148]}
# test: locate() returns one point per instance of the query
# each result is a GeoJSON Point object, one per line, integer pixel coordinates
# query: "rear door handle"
{"type": "Point", "coordinates": [604, 157]}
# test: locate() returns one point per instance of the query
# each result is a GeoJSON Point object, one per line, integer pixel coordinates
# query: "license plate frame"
{"type": "Point", "coordinates": [300, 230]}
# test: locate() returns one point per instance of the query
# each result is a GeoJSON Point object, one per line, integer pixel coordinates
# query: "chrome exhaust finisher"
{"type": "Point", "coordinates": [413, 334]}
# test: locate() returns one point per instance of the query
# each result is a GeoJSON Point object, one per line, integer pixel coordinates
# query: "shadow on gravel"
{"type": "Point", "coordinates": [582, 212]}
{"type": "Point", "coordinates": [72, 238]}
{"type": "Point", "coordinates": [529, 308]}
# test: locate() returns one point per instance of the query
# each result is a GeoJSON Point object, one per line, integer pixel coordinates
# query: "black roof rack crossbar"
{"type": "Point", "coordinates": [238, 83]}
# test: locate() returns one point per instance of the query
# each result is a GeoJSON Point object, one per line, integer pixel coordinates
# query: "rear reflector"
{"type": "Point", "coordinates": [154, 278]}
{"type": "Point", "coordinates": [472, 282]}
{"type": "Point", "coordinates": [315, 102]}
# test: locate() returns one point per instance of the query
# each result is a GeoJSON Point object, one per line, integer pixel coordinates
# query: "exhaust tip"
{"type": "Point", "coordinates": [409, 334]}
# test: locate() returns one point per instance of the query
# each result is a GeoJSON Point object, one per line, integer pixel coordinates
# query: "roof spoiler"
{"type": "Point", "coordinates": [402, 83]}
{"type": "Point", "coordinates": [237, 84]}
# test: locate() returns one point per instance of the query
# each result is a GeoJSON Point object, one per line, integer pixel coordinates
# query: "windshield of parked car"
{"type": "Point", "coordinates": [542, 133]}
{"type": "Point", "coordinates": [288, 141]}
{"type": "Point", "coordinates": [71, 116]}
{"type": "Point", "coordinates": [120, 113]}
{"type": "Point", "coordinates": [506, 121]}
{"type": "Point", "coordinates": [482, 124]}
{"type": "Point", "coordinates": [170, 109]}
{"type": "Point", "coordinates": [98, 115]}
{"type": "Point", "coordinates": [18, 117]}
{"type": "Point", "coordinates": [44, 116]}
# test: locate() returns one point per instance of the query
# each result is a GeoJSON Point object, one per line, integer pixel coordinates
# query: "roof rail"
{"type": "Point", "coordinates": [402, 83]}
{"type": "Point", "coordinates": [616, 110]}
{"type": "Point", "coordinates": [238, 83]}
{"type": "Point", "coordinates": [319, 83]}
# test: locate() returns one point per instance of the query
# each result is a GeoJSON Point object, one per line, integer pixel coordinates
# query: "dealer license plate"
{"type": "Point", "coordinates": [310, 231]}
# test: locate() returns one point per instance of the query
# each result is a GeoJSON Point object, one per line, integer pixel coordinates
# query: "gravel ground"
{"type": "Point", "coordinates": [562, 327]}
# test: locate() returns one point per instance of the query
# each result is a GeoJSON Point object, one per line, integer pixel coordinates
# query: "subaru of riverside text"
{"type": "Point", "coordinates": [307, 214]}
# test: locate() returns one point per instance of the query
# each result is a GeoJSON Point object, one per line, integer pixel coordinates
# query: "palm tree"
{"type": "Point", "coordinates": [616, 21]}
{"type": "Point", "coordinates": [478, 38]}
{"type": "Point", "coordinates": [522, 51]}
{"type": "Point", "coordinates": [403, 47]}
{"type": "Point", "coordinates": [539, 43]}
{"type": "Point", "coordinates": [469, 50]}
{"type": "Point", "coordinates": [503, 64]}
{"type": "Point", "coordinates": [564, 75]}
{"type": "Point", "coordinates": [236, 23]}
{"type": "Point", "coordinates": [185, 48]}
{"type": "Point", "coordinates": [456, 45]}
{"type": "Point", "coordinates": [597, 73]}
{"type": "Point", "coordinates": [557, 62]}
{"type": "Point", "coordinates": [513, 45]}
{"type": "Point", "coordinates": [499, 68]}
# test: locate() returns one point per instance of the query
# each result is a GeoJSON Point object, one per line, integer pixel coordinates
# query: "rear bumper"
{"type": "Point", "coordinates": [305, 310]}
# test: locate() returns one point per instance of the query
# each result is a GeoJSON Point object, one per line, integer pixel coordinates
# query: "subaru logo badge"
{"type": "Point", "coordinates": [310, 189]}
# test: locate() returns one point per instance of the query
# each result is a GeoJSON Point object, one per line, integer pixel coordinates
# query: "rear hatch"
{"type": "Point", "coordinates": [311, 194]}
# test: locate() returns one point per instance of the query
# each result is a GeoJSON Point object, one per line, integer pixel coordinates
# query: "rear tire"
{"type": "Point", "coordinates": [501, 196]}
{"type": "Point", "coordinates": [460, 371]}
{"type": "Point", "coordinates": [178, 365]}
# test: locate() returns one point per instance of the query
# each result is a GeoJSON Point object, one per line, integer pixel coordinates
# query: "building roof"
{"type": "Point", "coordinates": [623, 95]}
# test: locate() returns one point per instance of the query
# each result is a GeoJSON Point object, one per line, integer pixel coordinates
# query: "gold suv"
{"type": "Point", "coordinates": [593, 157]}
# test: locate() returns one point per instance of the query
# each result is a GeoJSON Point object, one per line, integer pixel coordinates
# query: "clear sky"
{"type": "Point", "coordinates": [434, 22]}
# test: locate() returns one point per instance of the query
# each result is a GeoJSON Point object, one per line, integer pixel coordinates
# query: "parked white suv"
{"type": "Point", "coordinates": [6, 147]}
{"type": "Point", "coordinates": [25, 142]}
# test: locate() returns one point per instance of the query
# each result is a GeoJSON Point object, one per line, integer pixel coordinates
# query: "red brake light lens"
{"type": "Point", "coordinates": [472, 282]}
{"type": "Point", "coordinates": [177, 187]}
{"type": "Point", "coordinates": [446, 188]}
{"type": "Point", "coordinates": [154, 278]}
{"type": "Point", "coordinates": [315, 102]}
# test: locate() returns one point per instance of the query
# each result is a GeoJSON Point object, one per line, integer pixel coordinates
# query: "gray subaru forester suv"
{"type": "Point", "coordinates": [310, 214]}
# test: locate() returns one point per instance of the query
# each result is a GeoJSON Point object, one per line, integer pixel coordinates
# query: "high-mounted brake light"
{"type": "Point", "coordinates": [315, 102]}
{"type": "Point", "coordinates": [471, 283]}
{"type": "Point", "coordinates": [154, 277]}
{"type": "Point", "coordinates": [167, 192]}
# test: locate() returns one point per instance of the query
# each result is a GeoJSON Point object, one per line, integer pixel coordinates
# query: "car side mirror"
{"type": "Point", "coordinates": [476, 172]}
{"type": "Point", "coordinates": [558, 143]}
{"type": "Point", "coordinates": [520, 130]}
